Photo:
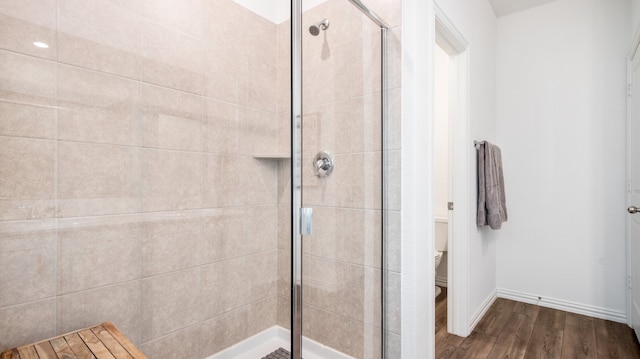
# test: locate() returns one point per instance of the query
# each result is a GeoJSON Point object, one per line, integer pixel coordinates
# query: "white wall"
{"type": "Point", "coordinates": [441, 133]}
{"type": "Point", "coordinates": [635, 16]}
{"type": "Point", "coordinates": [477, 23]}
{"type": "Point", "coordinates": [441, 148]}
{"type": "Point", "coordinates": [561, 126]}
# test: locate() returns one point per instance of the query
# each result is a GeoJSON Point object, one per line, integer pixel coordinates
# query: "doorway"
{"type": "Point", "coordinates": [455, 53]}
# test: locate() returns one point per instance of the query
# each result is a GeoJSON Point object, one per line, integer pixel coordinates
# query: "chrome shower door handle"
{"type": "Point", "coordinates": [633, 209]}
{"type": "Point", "coordinates": [324, 164]}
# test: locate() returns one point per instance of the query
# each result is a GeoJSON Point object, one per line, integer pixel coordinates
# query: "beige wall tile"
{"type": "Point", "coordinates": [32, 245]}
{"type": "Point", "coordinates": [362, 131]}
{"type": "Point", "coordinates": [27, 323]}
{"type": "Point", "coordinates": [262, 181]}
{"type": "Point", "coordinates": [393, 126]}
{"type": "Point", "coordinates": [358, 72]}
{"type": "Point", "coordinates": [283, 31]}
{"type": "Point", "coordinates": [392, 195]}
{"type": "Point", "coordinates": [222, 131]}
{"type": "Point", "coordinates": [362, 229]}
{"type": "Point", "coordinates": [393, 247]}
{"type": "Point", "coordinates": [392, 308]}
{"type": "Point", "coordinates": [261, 134]}
{"type": "Point", "coordinates": [23, 22]}
{"type": "Point", "coordinates": [389, 10]}
{"type": "Point", "coordinates": [360, 181]}
{"type": "Point", "coordinates": [328, 285]}
{"type": "Point", "coordinates": [172, 59]}
{"type": "Point", "coordinates": [184, 15]}
{"type": "Point", "coordinates": [96, 179]}
{"type": "Point", "coordinates": [119, 304]}
{"type": "Point", "coordinates": [226, 181]}
{"type": "Point", "coordinates": [366, 341]}
{"type": "Point", "coordinates": [261, 315]}
{"type": "Point", "coordinates": [261, 38]}
{"type": "Point", "coordinates": [22, 120]}
{"type": "Point", "coordinates": [355, 183]}
{"type": "Point", "coordinates": [329, 236]}
{"type": "Point", "coordinates": [171, 242]}
{"type": "Point", "coordinates": [171, 119]}
{"type": "Point", "coordinates": [185, 343]}
{"type": "Point", "coordinates": [27, 168]}
{"type": "Point", "coordinates": [284, 312]}
{"type": "Point", "coordinates": [131, 6]}
{"type": "Point", "coordinates": [94, 252]}
{"type": "Point", "coordinates": [350, 24]}
{"type": "Point", "coordinates": [322, 128]}
{"type": "Point", "coordinates": [223, 331]}
{"type": "Point", "coordinates": [259, 85]}
{"type": "Point", "coordinates": [261, 268]}
{"type": "Point", "coordinates": [320, 85]}
{"type": "Point", "coordinates": [394, 56]}
{"type": "Point", "coordinates": [392, 345]}
{"type": "Point", "coordinates": [261, 228]}
{"type": "Point", "coordinates": [94, 55]}
{"type": "Point", "coordinates": [284, 227]}
{"type": "Point", "coordinates": [225, 285]}
{"type": "Point", "coordinates": [328, 328]}
{"type": "Point", "coordinates": [27, 177]}
{"type": "Point", "coordinates": [41, 12]}
{"type": "Point", "coordinates": [170, 302]}
{"type": "Point", "coordinates": [27, 80]}
{"type": "Point", "coordinates": [224, 233]}
{"type": "Point", "coordinates": [284, 181]}
{"type": "Point", "coordinates": [101, 36]}
{"type": "Point", "coordinates": [20, 34]}
{"type": "Point", "coordinates": [171, 180]}
{"type": "Point", "coordinates": [97, 107]}
{"type": "Point", "coordinates": [224, 73]}
{"type": "Point", "coordinates": [284, 273]}
{"type": "Point", "coordinates": [225, 25]}
{"type": "Point", "coordinates": [366, 295]}
{"type": "Point", "coordinates": [284, 133]}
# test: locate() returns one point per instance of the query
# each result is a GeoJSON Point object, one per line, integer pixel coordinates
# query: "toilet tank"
{"type": "Point", "coordinates": [442, 233]}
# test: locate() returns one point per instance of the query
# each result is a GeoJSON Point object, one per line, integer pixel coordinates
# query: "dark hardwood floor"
{"type": "Point", "coordinates": [518, 330]}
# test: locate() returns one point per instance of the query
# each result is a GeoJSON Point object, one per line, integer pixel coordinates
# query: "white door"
{"type": "Point", "coordinates": [633, 148]}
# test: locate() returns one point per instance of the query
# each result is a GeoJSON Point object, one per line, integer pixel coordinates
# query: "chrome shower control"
{"type": "Point", "coordinates": [323, 164]}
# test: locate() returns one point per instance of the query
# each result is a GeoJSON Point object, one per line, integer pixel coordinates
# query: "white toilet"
{"type": "Point", "coordinates": [442, 239]}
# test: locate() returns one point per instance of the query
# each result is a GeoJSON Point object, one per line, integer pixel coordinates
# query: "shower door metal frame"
{"type": "Point", "coordinates": [296, 164]}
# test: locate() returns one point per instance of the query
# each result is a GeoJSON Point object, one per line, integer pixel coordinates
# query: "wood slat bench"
{"type": "Point", "coordinates": [103, 341]}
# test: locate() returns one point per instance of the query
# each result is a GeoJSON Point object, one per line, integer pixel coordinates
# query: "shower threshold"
{"type": "Point", "coordinates": [273, 340]}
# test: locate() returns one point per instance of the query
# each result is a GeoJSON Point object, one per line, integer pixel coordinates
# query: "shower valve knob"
{"type": "Point", "coordinates": [323, 164]}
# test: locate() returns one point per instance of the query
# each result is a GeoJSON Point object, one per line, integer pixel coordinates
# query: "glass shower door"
{"type": "Point", "coordinates": [341, 182]}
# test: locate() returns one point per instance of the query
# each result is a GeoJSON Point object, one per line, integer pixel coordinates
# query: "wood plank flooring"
{"type": "Point", "coordinates": [518, 330]}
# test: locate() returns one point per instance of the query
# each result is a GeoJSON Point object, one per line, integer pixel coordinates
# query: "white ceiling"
{"type": "Point", "coordinates": [506, 7]}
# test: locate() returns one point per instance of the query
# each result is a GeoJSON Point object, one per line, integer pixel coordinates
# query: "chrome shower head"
{"type": "Point", "coordinates": [315, 28]}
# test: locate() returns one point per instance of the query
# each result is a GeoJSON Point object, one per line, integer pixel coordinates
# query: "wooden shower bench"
{"type": "Point", "coordinates": [103, 341]}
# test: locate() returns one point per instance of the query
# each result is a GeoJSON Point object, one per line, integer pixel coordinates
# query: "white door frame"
{"type": "Point", "coordinates": [454, 44]}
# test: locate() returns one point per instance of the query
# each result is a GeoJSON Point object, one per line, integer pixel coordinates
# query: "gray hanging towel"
{"type": "Point", "coordinates": [492, 208]}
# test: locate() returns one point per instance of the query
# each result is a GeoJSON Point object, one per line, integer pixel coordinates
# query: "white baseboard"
{"type": "Point", "coordinates": [482, 310]}
{"type": "Point", "coordinates": [572, 307]}
{"type": "Point", "coordinates": [441, 281]}
{"type": "Point", "coordinates": [273, 338]}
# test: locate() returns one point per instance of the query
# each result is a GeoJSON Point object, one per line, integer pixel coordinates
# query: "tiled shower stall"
{"type": "Point", "coordinates": [145, 174]}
